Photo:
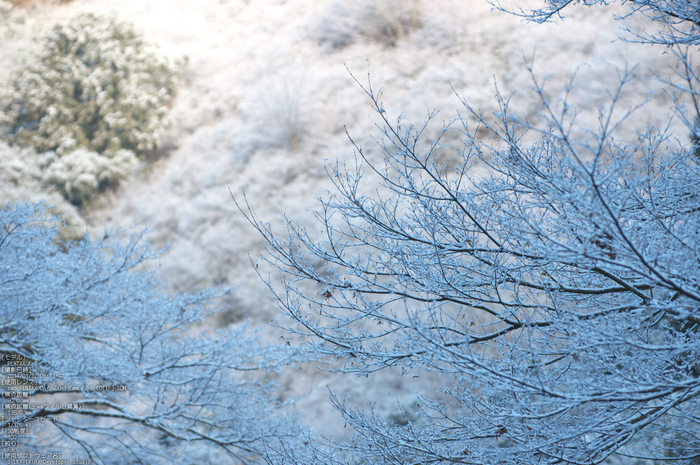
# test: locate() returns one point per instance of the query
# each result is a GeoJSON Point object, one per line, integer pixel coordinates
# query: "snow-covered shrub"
{"type": "Point", "coordinates": [77, 176]}
{"type": "Point", "coordinates": [82, 173]}
{"type": "Point", "coordinates": [21, 179]}
{"type": "Point", "coordinates": [384, 21]}
{"type": "Point", "coordinates": [19, 166]}
{"type": "Point", "coordinates": [94, 84]}
{"type": "Point", "coordinates": [281, 108]}
{"type": "Point", "coordinates": [10, 19]}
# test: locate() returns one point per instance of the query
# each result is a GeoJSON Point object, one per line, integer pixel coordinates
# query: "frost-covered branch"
{"type": "Point", "coordinates": [100, 363]}
{"type": "Point", "coordinates": [556, 282]}
{"type": "Point", "coordinates": [678, 20]}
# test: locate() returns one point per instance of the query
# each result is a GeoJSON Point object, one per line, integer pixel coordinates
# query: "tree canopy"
{"type": "Point", "coordinates": [560, 290]}
{"type": "Point", "coordinates": [98, 362]}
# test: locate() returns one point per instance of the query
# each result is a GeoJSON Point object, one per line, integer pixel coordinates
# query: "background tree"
{"type": "Point", "coordinates": [560, 290]}
{"type": "Point", "coordinates": [91, 100]}
{"type": "Point", "coordinates": [113, 371]}
{"type": "Point", "coordinates": [93, 83]}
